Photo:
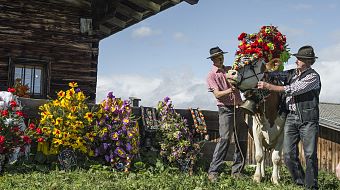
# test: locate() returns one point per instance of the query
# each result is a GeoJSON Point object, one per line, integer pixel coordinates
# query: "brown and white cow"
{"type": "Point", "coordinates": [267, 122]}
{"type": "Point", "coordinates": [268, 135]}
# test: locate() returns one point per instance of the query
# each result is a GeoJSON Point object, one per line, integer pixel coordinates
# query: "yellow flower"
{"type": "Point", "coordinates": [80, 96]}
{"type": "Point", "coordinates": [73, 84]}
{"type": "Point", "coordinates": [71, 116]}
{"type": "Point", "coordinates": [70, 93]}
{"type": "Point", "coordinates": [61, 94]}
{"type": "Point", "coordinates": [89, 116]}
{"type": "Point", "coordinates": [59, 121]}
{"type": "Point", "coordinates": [57, 142]}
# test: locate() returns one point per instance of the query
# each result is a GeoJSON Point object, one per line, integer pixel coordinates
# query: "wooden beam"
{"type": "Point", "coordinates": [117, 22]}
{"type": "Point", "coordinates": [105, 29]}
{"type": "Point", "coordinates": [175, 1]}
{"type": "Point", "coordinates": [192, 2]}
{"type": "Point", "coordinates": [147, 5]}
{"type": "Point", "coordinates": [129, 12]}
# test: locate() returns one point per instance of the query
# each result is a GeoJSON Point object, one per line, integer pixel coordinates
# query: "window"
{"type": "Point", "coordinates": [30, 76]}
{"type": "Point", "coordinates": [33, 73]}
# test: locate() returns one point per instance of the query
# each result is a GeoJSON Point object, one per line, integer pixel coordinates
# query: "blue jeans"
{"type": "Point", "coordinates": [226, 130]}
{"type": "Point", "coordinates": [307, 132]}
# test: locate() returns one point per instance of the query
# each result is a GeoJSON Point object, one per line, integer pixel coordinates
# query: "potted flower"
{"type": "Point", "coordinates": [65, 124]}
{"type": "Point", "coordinates": [117, 140]}
{"type": "Point", "coordinates": [175, 139]}
{"type": "Point", "coordinates": [11, 129]}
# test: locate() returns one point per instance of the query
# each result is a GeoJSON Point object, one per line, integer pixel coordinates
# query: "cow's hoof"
{"type": "Point", "coordinates": [257, 178]}
{"type": "Point", "coordinates": [275, 181]}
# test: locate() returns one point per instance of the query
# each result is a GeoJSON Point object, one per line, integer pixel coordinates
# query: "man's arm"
{"type": "Point", "coordinates": [218, 94]}
{"type": "Point", "coordinates": [271, 87]}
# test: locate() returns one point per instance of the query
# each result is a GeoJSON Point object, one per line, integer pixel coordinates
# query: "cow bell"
{"type": "Point", "coordinates": [249, 107]}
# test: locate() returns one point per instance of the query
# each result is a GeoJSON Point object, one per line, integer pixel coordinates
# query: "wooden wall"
{"type": "Point", "coordinates": [37, 29]}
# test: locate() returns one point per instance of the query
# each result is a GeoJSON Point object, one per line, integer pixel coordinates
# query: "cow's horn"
{"type": "Point", "coordinates": [249, 107]}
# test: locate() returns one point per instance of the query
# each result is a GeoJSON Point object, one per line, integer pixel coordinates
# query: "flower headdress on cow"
{"type": "Point", "coordinates": [268, 43]}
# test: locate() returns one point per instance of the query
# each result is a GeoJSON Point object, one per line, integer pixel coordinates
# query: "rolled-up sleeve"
{"type": "Point", "coordinates": [211, 82]}
{"type": "Point", "coordinates": [308, 83]}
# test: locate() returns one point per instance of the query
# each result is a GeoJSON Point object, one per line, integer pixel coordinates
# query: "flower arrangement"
{"type": "Point", "coordinates": [269, 43]}
{"type": "Point", "coordinates": [117, 139]}
{"type": "Point", "coordinates": [66, 123]}
{"type": "Point", "coordinates": [11, 130]}
{"type": "Point", "coordinates": [175, 138]}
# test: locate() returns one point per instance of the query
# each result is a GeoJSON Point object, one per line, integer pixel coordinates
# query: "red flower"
{"type": "Point", "coordinates": [11, 90]}
{"type": "Point", "coordinates": [4, 113]}
{"type": "Point", "coordinates": [13, 103]}
{"type": "Point", "coordinates": [40, 139]}
{"type": "Point", "coordinates": [241, 36]}
{"type": "Point", "coordinates": [31, 126]}
{"type": "Point", "coordinates": [38, 130]}
{"type": "Point", "coordinates": [19, 113]}
{"type": "Point", "coordinates": [26, 139]}
{"type": "Point", "coordinates": [2, 139]}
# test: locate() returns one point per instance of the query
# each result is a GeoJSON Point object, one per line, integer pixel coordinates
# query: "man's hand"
{"type": "Point", "coordinates": [262, 85]}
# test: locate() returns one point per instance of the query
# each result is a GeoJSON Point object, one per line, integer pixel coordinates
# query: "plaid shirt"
{"type": "Point", "coordinates": [217, 80]}
{"type": "Point", "coordinates": [297, 87]}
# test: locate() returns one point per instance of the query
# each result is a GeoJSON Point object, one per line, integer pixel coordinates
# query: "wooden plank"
{"type": "Point", "coordinates": [116, 22]}
{"type": "Point", "coordinates": [104, 29]}
{"type": "Point", "coordinates": [129, 12]}
{"type": "Point", "coordinates": [147, 5]}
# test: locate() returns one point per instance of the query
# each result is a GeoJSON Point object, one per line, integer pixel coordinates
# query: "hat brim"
{"type": "Point", "coordinates": [216, 54]}
{"type": "Point", "coordinates": [304, 57]}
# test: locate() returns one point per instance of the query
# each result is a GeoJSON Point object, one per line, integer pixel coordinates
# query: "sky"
{"type": "Point", "coordinates": [165, 55]}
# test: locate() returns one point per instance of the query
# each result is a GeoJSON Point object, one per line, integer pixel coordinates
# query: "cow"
{"type": "Point", "coordinates": [268, 122]}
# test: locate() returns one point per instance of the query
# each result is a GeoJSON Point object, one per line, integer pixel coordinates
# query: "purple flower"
{"type": "Point", "coordinates": [128, 147]}
{"type": "Point", "coordinates": [166, 99]}
{"type": "Point", "coordinates": [120, 152]}
{"type": "Point", "coordinates": [114, 136]}
{"type": "Point", "coordinates": [110, 95]}
{"type": "Point", "coordinates": [78, 90]}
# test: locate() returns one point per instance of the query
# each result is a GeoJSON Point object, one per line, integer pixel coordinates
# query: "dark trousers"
{"type": "Point", "coordinates": [226, 130]}
{"type": "Point", "coordinates": [307, 132]}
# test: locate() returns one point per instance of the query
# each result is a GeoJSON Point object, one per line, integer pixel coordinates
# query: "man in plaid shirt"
{"type": "Point", "coordinates": [228, 98]}
{"type": "Point", "coordinates": [302, 88]}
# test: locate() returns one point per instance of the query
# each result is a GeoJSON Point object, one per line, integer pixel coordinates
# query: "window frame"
{"type": "Point", "coordinates": [29, 62]}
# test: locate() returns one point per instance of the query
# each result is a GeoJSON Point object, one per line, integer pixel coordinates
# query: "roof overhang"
{"type": "Point", "coordinates": [110, 17]}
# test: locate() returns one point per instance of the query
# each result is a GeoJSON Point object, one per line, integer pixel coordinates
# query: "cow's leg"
{"type": "Point", "coordinates": [276, 159]}
{"type": "Point", "coordinates": [258, 150]}
{"type": "Point", "coordinates": [265, 152]}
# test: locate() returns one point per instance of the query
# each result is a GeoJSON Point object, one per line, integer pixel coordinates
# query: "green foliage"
{"type": "Point", "coordinates": [156, 177]}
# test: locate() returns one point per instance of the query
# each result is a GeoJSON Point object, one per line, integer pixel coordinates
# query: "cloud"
{"type": "Point", "coordinates": [184, 90]}
{"type": "Point", "coordinates": [327, 66]}
{"type": "Point", "coordinates": [143, 31]}
{"type": "Point", "coordinates": [180, 37]}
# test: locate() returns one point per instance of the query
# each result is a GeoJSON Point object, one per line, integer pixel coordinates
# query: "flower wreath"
{"type": "Point", "coordinates": [199, 122]}
{"type": "Point", "coordinates": [268, 43]}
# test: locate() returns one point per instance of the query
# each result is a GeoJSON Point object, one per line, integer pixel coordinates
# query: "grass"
{"type": "Point", "coordinates": [27, 176]}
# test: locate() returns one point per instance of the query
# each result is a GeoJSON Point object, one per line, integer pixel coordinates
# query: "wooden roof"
{"type": "Point", "coordinates": [111, 16]}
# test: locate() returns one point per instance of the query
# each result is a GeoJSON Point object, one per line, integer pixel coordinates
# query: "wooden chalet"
{"type": "Point", "coordinates": [49, 43]}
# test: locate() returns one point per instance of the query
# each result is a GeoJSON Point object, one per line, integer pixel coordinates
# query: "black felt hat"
{"type": "Point", "coordinates": [305, 52]}
{"type": "Point", "coordinates": [215, 51]}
